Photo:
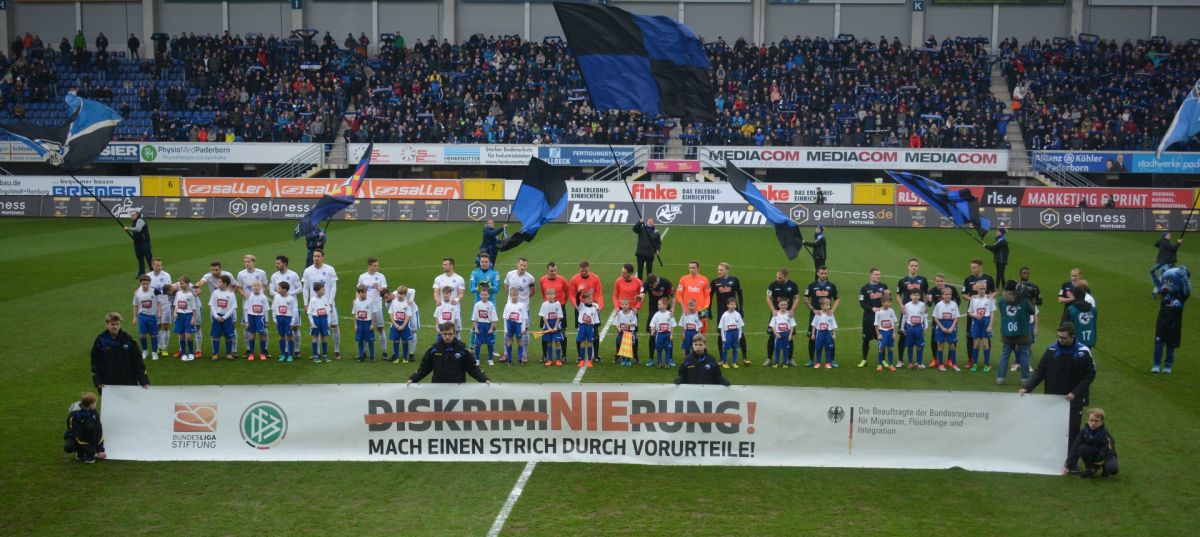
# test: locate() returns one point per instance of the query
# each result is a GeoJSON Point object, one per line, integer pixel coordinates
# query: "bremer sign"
{"type": "Point", "coordinates": [858, 158]}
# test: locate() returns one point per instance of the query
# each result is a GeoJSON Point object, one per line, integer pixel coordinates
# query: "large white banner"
{"type": "Point", "coordinates": [63, 185]}
{"type": "Point", "coordinates": [673, 192]}
{"type": "Point", "coordinates": [221, 153]}
{"type": "Point", "coordinates": [865, 158]}
{"type": "Point", "coordinates": [609, 423]}
{"type": "Point", "coordinates": [447, 154]}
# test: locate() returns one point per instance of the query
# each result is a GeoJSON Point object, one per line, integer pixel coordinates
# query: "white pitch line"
{"type": "Point", "coordinates": [519, 487]}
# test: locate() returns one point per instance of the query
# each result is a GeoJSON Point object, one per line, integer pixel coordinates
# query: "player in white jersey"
{"type": "Point", "coordinates": [885, 331]}
{"type": "Point", "coordinates": [187, 318]}
{"type": "Point", "coordinates": [256, 310]}
{"type": "Point", "coordinates": [402, 313]}
{"type": "Point", "coordinates": [222, 305]}
{"type": "Point", "coordinates": [285, 308]}
{"type": "Point", "coordinates": [449, 279]}
{"type": "Point", "coordinates": [945, 331]}
{"type": "Point", "coordinates": [625, 319]}
{"type": "Point", "coordinates": [525, 284]}
{"type": "Point", "coordinates": [447, 311]}
{"type": "Point", "coordinates": [145, 310]}
{"type": "Point", "coordinates": [916, 320]}
{"type": "Point", "coordinates": [588, 317]}
{"type": "Point", "coordinates": [376, 283]}
{"type": "Point", "coordinates": [324, 274]}
{"type": "Point", "coordinates": [516, 327]}
{"type": "Point", "coordinates": [284, 274]}
{"type": "Point", "coordinates": [731, 325]}
{"type": "Point", "coordinates": [210, 279]}
{"type": "Point", "coordinates": [980, 311]}
{"type": "Point", "coordinates": [243, 285]}
{"type": "Point", "coordinates": [160, 282]}
{"type": "Point", "coordinates": [483, 323]}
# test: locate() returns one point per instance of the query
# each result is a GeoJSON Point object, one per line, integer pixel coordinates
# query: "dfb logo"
{"type": "Point", "coordinates": [668, 213]}
{"type": "Point", "coordinates": [1050, 219]}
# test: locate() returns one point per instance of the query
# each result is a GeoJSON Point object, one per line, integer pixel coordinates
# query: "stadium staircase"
{"type": "Point", "coordinates": [1020, 165]}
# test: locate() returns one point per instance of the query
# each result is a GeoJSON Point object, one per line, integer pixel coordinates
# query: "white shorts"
{"type": "Point", "coordinates": [333, 315]}
{"type": "Point", "coordinates": [377, 318]}
{"type": "Point", "coordinates": [166, 313]}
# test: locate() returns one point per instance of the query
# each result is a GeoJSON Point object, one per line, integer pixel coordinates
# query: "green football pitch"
{"type": "Point", "coordinates": [61, 276]}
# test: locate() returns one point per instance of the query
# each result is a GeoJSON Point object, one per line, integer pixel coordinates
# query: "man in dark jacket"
{"type": "Point", "coordinates": [818, 247]}
{"type": "Point", "coordinates": [649, 245]}
{"type": "Point", "coordinates": [1000, 254]}
{"type": "Point", "coordinates": [699, 367]}
{"type": "Point", "coordinates": [1068, 370]}
{"type": "Point", "coordinates": [491, 242]}
{"type": "Point", "coordinates": [140, 232]}
{"type": "Point", "coordinates": [116, 357]}
{"type": "Point", "coordinates": [449, 360]}
{"type": "Point", "coordinates": [1168, 255]}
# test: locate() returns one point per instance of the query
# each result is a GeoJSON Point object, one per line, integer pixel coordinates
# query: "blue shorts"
{"type": "Point", "coordinates": [586, 332]}
{"type": "Point", "coordinates": [687, 337]}
{"type": "Point", "coordinates": [222, 328]}
{"type": "Point", "coordinates": [730, 339]}
{"type": "Point", "coordinates": [781, 339]}
{"type": "Point", "coordinates": [320, 326]}
{"type": "Point", "coordinates": [513, 328]}
{"type": "Point", "coordinates": [824, 339]}
{"type": "Point", "coordinates": [147, 324]}
{"type": "Point", "coordinates": [662, 340]}
{"type": "Point", "coordinates": [256, 324]}
{"type": "Point", "coordinates": [942, 337]}
{"type": "Point", "coordinates": [552, 336]}
{"type": "Point", "coordinates": [364, 330]}
{"type": "Point", "coordinates": [483, 334]}
{"type": "Point", "coordinates": [914, 335]}
{"type": "Point", "coordinates": [283, 323]}
{"type": "Point", "coordinates": [183, 324]}
{"type": "Point", "coordinates": [979, 328]}
{"type": "Point", "coordinates": [401, 335]}
{"type": "Point", "coordinates": [887, 338]}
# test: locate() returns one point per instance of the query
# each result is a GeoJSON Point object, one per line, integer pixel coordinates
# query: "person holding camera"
{"type": "Point", "coordinates": [1015, 311]}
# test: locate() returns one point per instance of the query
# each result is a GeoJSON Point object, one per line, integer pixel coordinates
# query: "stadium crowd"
{"type": "Point", "coordinates": [1091, 94]}
{"type": "Point", "coordinates": [844, 92]}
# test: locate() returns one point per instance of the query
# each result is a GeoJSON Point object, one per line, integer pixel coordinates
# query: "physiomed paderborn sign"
{"type": "Point", "coordinates": [609, 423]}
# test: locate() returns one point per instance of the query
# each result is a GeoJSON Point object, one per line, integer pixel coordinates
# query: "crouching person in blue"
{"type": "Point", "coordinates": [84, 436]}
{"type": "Point", "coordinates": [1095, 445]}
{"type": "Point", "coordinates": [449, 360]}
{"type": "Point", "coordinates": [699, 367]}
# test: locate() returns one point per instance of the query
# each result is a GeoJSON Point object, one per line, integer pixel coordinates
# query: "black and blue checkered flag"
{"type": "Point", "coordinates": [957, 205]}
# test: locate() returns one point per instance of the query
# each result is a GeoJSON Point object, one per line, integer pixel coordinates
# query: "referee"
{"type": "Point", "coordinates": [724, 288]}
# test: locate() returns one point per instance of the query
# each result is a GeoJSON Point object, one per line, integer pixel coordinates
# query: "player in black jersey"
{"type": "Point", "coordinates": [819, 289]}
{"type": "Point", "coordinates": [969, 289]}
{"type": "Point", "coordinates": [869, 300]}
{"type": "Point", "coordinates": [780, 289]}
{"type": "Point", "coordinates": [655, 287]}
{"type": "Point", "coordinates": [908, 284]}
{"type": "Point", "coordinates": [723, 288]}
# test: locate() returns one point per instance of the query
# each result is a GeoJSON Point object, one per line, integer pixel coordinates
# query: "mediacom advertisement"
{"type": "Point", "coordinates": [651, 424]}
{"type": "Point", "coordinates": [858, 158]}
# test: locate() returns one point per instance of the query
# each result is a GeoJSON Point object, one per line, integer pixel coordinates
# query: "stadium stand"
{"type": "Point", "coordinates": [1086, 94]}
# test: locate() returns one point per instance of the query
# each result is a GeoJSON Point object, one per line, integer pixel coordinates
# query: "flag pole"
{"type": "Point", "coordinates": [102, 204]}
{"type": "Point", "coordinates": [1195, 200]}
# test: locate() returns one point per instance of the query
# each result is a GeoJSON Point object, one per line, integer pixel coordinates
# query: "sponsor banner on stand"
{"type": "Point", "coordinates": [87, 207]}
{"type": "Point", "coordinates": [585, 156]}
{"type": "Point", "coordinates": [1123, 198]}
{"type": "Point", "coordinates": [120, 152]}
{"type": "Point", "coordinates": [1115, 162]}
{"type": "Point", "coordinates": [477, 210]}
{"type": "Point", "coordinates": [679, 192]}
{"type": "Point", "coordinates": [650, 424]}
{"type": "Point", "coordinates": [411, 189]}
{"type": "Point", "coordinates": [447, 154]}
{"type": "Point", "coordinates": [673, 166]}
{"type": "Point", "coordinates": [63, 185]}
{"type": "Point", "coordinates": [222, 153]}
{"type": "Point", "coordinates": [21, 206]}
{"type": "Point", "coordinates": [858, 158]}
{"type": "Point", "coordinates": [844, 215]}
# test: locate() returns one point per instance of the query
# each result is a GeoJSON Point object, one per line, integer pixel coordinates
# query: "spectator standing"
{"type": "Point", "coordinates": [1168, 255]}
{"type": "Point", "coordinates": [649, 245]}
{"type": "Point", "coordinates": [135, 45]}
